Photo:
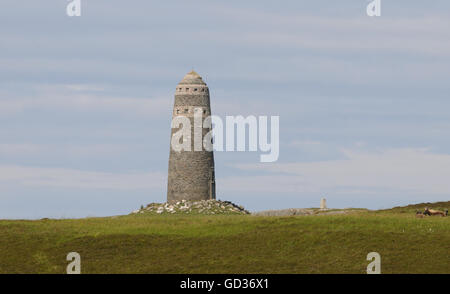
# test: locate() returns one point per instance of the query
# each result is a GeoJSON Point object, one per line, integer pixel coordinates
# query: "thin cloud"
{"type": "Point", "coordinates": [82, 98]}
{"type": "Point", "coordinates": [415, 171]}
{"type": "Point", "coordinates": [79, 179]}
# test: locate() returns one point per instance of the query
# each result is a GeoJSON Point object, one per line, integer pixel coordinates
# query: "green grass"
{"type": "Point", "coordinates": [442, 206]}
{"type": "Point", "coordinates": [230, 244]}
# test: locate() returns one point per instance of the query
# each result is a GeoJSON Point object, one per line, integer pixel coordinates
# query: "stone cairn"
{"type": "Point", "coordinates": [193, 207]}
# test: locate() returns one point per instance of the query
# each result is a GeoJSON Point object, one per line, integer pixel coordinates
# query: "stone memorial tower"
{"type": "Point", "coordinates": [191, 173]}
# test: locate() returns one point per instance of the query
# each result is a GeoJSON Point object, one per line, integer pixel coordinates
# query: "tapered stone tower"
{"type": "Point", "coordinates": [191, 173]}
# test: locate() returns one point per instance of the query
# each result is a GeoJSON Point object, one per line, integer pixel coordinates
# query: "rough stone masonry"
{"type": "Point", "coordinates": [191, 173]}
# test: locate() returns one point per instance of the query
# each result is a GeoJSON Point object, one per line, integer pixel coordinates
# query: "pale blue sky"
{"type": "Point", "coordinates": [85, 102]}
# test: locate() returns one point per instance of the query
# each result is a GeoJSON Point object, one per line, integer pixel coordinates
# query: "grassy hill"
{"type": "Point", "coordinates": [412, 208]}
{"type": "Point", "coordinates": [145, 243]}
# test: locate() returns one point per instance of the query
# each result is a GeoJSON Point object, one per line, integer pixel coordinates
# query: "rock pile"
{"type": "Point", "coordinates": [193, 207]}
{"type": "Point", "coordinates": [305, 211]}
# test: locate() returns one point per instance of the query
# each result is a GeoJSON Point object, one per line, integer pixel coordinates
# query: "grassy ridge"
{"type": "Point", "coordinates": [229, 244]}
{"type": "Point", "coordinates": [442, 206]}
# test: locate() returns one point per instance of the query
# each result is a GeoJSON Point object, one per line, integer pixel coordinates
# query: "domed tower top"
{"type": "Point", "coordinates": [192, 78]}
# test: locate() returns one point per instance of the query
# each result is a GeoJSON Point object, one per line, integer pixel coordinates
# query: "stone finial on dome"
{"type": "Point", "coordinates": [192, 78]}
